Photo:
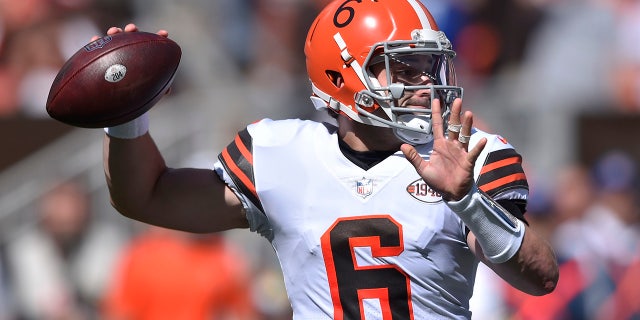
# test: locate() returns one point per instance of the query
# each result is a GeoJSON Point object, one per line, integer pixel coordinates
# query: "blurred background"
{"type": "Point", "coordinates": [560, 79]}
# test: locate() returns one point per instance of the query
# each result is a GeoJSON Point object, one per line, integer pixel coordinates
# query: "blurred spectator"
{"type": "Point", "coordinates": [277, 77]}
{"type": "Point", "coordinates": [551, 78]}
{"type": "Point", "coordinates": [626, 67]}
{"type": "Point", "coordinates": [574, 194]}
{"type": "Point", "coordinates": [560, 209]}
{"type": "Point", "coordinates": [36, 38]}
{"type": "Point", "coordinates": [597, 241]}
{"type": "Point", "coordinates": [60, 266]}
{"type": "Point", "coordinates": [168, 274]}
{"type": "Point", "coordinates": [614, 219]}
{"type": "Point", "coordinates": [37, 68]}
{"type": "Point", "coordinates": [624, 303]}
{"type": "Point", "coordinates": [610, 237]}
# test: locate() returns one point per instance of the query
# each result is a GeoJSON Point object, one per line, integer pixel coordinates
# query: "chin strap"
{"type": "Point", "coordinates": [499, 233]}
{"type": "Point", "coordinates": [421, 122]}
{"type": "Point", "coordinates": [322, 100]}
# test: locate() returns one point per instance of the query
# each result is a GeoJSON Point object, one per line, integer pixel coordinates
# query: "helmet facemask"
{"type": "Point", "coordinates": [417, 72]}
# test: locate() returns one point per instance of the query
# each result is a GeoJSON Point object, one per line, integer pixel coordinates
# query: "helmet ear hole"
{"type": "Point", "coordinates": [335, 77]}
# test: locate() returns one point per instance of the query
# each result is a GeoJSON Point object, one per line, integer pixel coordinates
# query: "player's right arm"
{"type": "Point", "coordinates": [143, 188]}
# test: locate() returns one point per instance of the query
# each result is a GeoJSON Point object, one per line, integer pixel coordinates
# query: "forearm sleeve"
{"type": "Point", "coordinates": [499, 233]}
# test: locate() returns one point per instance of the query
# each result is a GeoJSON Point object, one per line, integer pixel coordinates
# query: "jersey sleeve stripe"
{"type": "Point", "coordinates": [237, 173]}
{"type": "Point", "coordinates": [503, 154]}
{"type": "Point", "coordinates": [500, 163]}
{"type": "Point", "coordinates": [237, 158]}
{"type": "Point", "coordinates": [243, 143]}
{"type": "Point", "coordinates": [502, 170]}
{"type": "Point", "coordinates": [510, 181]}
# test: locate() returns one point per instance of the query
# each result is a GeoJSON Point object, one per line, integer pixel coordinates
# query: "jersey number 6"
{"type": "Point", "coordinates": [351, 283]}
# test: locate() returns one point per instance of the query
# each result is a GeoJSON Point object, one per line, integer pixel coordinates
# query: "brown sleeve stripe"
{"type": "Point", "coordinates": [238, 174]}
{"type": "Point", "coordinates": [503, 183]}
{"type": "Point", "coordinates": [502, 171]}
{"type": "Point", "coordinates": [242, 140]}
{"type": "Point", "coordinates": [237, 158]}
{"type": "Point", "coordinates": [501, 163]}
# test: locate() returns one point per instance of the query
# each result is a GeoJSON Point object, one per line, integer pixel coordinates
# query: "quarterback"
{"type": "Point", "coordinates": [385, 215]}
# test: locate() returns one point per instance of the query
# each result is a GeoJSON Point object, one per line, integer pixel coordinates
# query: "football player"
{"type": "Point", "coordinates": [384, 216]}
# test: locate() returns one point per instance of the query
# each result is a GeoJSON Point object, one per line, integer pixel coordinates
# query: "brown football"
{"type": "Point", "coordinates": [113, 79]}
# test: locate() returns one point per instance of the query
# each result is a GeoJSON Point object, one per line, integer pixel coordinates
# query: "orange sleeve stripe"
{"type": "Point", "coordinates": [243, 149]}
{"type": "Point", "coordinates": [502, 181]}
{"type": "Point", "coordinates": [238, 172]}
{"type": "Point", "coordinates": [499, 164]}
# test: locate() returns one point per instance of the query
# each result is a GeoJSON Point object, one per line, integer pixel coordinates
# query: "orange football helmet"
{"type": "Point", "coordinates": [350, 36]}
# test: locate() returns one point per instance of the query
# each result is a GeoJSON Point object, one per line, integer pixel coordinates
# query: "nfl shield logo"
{"type": "Point", "coordinates": [364, 187]}
{"type": "Point", "coordinates": [97, 44]}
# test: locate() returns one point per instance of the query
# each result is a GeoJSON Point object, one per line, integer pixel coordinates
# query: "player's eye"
{"type": "Point", "coordinates": [411, 75]}
{"type": "Point", "coordinates": [407, 73]}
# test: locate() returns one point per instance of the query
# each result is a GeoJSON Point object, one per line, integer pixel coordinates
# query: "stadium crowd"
{"type": "Point", "coordinates": [547, 65]}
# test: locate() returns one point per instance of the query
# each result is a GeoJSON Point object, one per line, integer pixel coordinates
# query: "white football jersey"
{"type": "Point", "coordinates": [354, 243]}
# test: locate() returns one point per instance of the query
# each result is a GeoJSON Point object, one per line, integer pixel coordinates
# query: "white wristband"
{"type": "Point", "coordinates": [130, 130]}
{"type": "Point", "coordinates": [499, 233]}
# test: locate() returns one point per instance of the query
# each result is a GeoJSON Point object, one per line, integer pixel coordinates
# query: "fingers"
{"type": "Point", "coordinates": [460, 124]}
{"type": "Point", "coordinates": [436, 119]}
{"type": "Point", "coordinates": [459, 128]}
{"type": "Point", "coordinates": [456, 108]}
{"type": "Point", "coordinates": [412, 155]}
{"type": "Point", "coordinates": [454, 126]}
{"type": "Point", "coordinates": [477, 149]}
{"type": "Point", "coordinates": [163, 33]}
{"type": "Point", "coordinates": [131, 27]}
{"type": "Point", "coordinates": [465, 131]}
{"type": "Point", "coordinates": [113, 30]}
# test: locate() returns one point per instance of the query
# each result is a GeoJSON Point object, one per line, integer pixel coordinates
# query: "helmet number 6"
{"type": "Point", "coordinates": [350, 11]}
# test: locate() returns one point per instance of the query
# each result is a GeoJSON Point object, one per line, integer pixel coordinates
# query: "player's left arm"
{"type": "Point", "coordinates": [503, 242]}
{"type": "Point", "coordinates": [532, 269]}
{"type": "Point", "coordinates": [496, 211]}
{"type": "Point", "coordinates": [512, 249]}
